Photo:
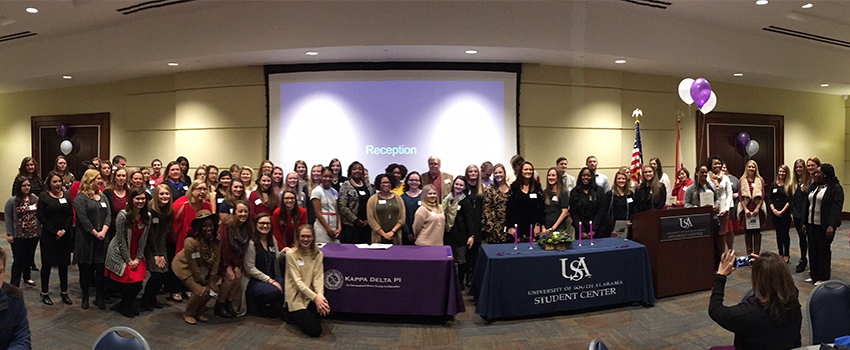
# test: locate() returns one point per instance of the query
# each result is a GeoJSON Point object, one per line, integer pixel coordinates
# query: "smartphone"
{"type": "Point", "coordinates": [745, 260]}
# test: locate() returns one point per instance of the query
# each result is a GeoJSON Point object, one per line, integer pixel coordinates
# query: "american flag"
{"type": "Point", "coordinates": [637, 155]}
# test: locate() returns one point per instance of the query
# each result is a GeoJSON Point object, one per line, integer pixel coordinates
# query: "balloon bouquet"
{"type": "Point", "coordinates": [698, 91]}
{"type": "Point", "coordinates": [751, 146]}
{"type": "Point", "coordinates": [65, 146]}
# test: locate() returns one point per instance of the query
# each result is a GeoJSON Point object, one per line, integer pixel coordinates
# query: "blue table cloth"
{"type": "Point", "coordinates": [524, 282]}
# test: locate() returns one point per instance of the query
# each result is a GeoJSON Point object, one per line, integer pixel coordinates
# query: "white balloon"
{"type": "Point", "coordinates": [66, 147]}
{"type": "Point", "coordinates": [752, 148]}
{"type": "Point", "coordinates": [685, 90]}
{"type": "Point", "coordinates": [710, 104]}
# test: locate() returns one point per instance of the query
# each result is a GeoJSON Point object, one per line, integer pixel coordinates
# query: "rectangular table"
{"type": "Point", "coordinates": [401, 280]}
{"type": "Point", "coordinates": [523, 282]}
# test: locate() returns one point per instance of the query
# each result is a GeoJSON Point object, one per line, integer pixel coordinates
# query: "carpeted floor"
{"type": "Point", "coordinates": [679, 322]}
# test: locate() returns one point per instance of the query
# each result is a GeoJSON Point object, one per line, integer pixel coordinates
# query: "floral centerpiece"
{"type": "Point", "coordinates": [556, 240]}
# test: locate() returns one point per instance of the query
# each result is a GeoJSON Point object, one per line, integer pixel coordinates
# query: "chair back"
{"type": "Point", "coordinates": [110, 339]}
{"type": "Point", "coordinates": [829, 311]}
{"type": "Point", "coordinates": [597, 344]}
{"type": "Point", "coordinates": [747, 295]}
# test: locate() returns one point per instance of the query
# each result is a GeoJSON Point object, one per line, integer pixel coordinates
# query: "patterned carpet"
{"type": "Point", "coordinates": [679, 322]}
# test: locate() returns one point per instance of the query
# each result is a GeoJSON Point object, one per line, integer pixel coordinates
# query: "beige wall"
{"type": "Point", "coordinates": [218, 117]}
{"type": "Point", "coordinates": [215, 117]}
{"type": "Point", "coordinates": [576, 112]}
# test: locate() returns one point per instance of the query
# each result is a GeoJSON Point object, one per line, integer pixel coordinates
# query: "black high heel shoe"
{"type": "Point", "coordinates": [45, 298]}
{"type": "Point", "coordinates": [66, 299]}
{"type": "Point", "coordinates": [30, 283]}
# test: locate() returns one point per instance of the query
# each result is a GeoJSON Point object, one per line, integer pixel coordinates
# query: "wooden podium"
{"type": "Point", "coordinates": [681, 257]}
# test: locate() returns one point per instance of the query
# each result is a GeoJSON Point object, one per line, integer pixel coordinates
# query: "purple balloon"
{"type": "Point", "coordinates": [700, 91]}
{"type": "Point", "coordinates": [62, 130]}
{"type": "Point", "coordinates": [743, 140]}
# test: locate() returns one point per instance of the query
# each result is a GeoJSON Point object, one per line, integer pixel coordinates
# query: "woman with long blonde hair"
{"type": "Point", "coordinates": [751, 207]}
{"type": "Point", "coordinates": [93, 221]}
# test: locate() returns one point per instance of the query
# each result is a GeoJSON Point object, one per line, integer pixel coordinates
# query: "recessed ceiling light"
{"type": "Point", "coordinates": [738, 74]}
{"type": "Point", "coordinates": [312, 53]}
{"type": "Point", "coordinates": [824, 85]}
{"type": "Point", "coordinates": [66, 77]}
{"type": "Point", "coordinates": [808, 6]}
{"type": "Point", "coordinates": [761, 2]}
{"type": "Point", "coordinates": [620, 61]}
{"type": "Point", "coordinates": [173, 64]}
{"type": "Point", "coordinates": [471, 52]}
{"type": "Point", "coordinates": [32, 10]}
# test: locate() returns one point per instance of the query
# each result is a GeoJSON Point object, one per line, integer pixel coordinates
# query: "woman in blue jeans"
{"type": "Point", "coordinates": [265, 289]}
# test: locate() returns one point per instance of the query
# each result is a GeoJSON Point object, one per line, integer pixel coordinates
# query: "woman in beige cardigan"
{"type": "Point", "coordinates": [305, 283]}
{"type": "Point", "coordinates": [751, 206]}
{"type": "Point", "coordinates": [429, 224]}
{"type": "Point", "coordinates": [385, 212]}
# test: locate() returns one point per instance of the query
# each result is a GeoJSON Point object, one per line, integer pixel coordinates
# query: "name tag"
{"type": "Point", "coordinates": [432, 213]}
{"type": "Point", "coordinates": [196, 255]}
{"type": "Point", "coordinates": [231, 210]}
{"type": "Point", "coordinates": [155, 220]}
{"type": "Point", "coordinates": [102, 204]}
{"type": "Point", "coordinates": [152, 182]}
{"type": "Point", "coordinates": [185, 188]}
{"type": "Point", "coordinates": [629, 200]}
{"type": "Point", "coordinates": [775, 190]}
{"type": "Point", "coordinates": [33, 207]}
{"type": "Point", "coordinates": [458, 208]}
{"type": "Point", "coordinates": [63, 201]}
{"type": "Point", "coordinates": [532, 195]}
{"type": "Point", "coordinates": [219, 200]}
{"type": "Point", "coordinates": [382, 201]}
{"type": "Point", "coordinates": [362, 193]}
{"type": "Point", "coordinates": [554, 198]}
{"type": "Point", "coordinates": [447, 181]}
{"type": "Point", "coordinates": [299, 262]}
{"type": "Point", "coordinates": [258, 201]}
{"type": "Point", "coordinates": [419, 203]}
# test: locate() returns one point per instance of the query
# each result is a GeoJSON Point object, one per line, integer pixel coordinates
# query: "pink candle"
{"type": "Point", "coordinates": [530, 236]}
{"type": "Point", "coordinates": [579, 233]}
{"type": "Point", "coordinates": [591, 233]}
{"type": "Point", "coordinates": [516, 234]}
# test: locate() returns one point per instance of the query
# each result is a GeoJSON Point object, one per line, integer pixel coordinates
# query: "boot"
{"type": "Point", "coordinates": [229, 307]}
{"type": "Point", "coordinates": [757, 243]}
{"type": "Point", "coordinates": [461, 272]}
{"type": "Point", "coordinates": [101, 303]}
{"type": "Point", "coordinates": [45, 298]}
{"type": "Point", "coordinates": [801, 266]}
{"type": "Point", "coordinates": [66, 299]}
{"type": "Point", "coordinates": [146, 304]}
{"type": "Point", "coordinates": [85, 303]}
{"type": "Point", "coordinates": [221, 311]}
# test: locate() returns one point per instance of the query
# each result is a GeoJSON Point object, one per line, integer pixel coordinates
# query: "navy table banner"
{"type": "Point", "coordinates": [400, 280]}
{"type": "Point", "coordinates": [523, 282]}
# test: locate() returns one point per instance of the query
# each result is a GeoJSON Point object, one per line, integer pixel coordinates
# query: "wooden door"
{"type": "Point", "coordinates": [89, 133]}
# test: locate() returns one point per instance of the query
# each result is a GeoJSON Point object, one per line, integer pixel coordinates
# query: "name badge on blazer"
{"type": "Point", "coordinates": [775, 190]}
{"type": "Point", "coordinates": [299, 262]}
{"type": "Point", "coordinates": [532, 195]}
{"type": "Point", "coordinates": [629, 200]}
{"type": "Point", "coordinates": [102, 204]}
{"type": "Point", "coordinates": [458, 208]}
{"type": "Point", "coordinates": [185, 188]}
{"type": "Point", "coordinates": [219, 200]}
{"type": "Point", "coordinates": [554, 198]}
{"type": "Point", "coordinates": [419, 203]}
{"type": "Point", "coordinates": [447, 181]}
{"type": "Point", "coordinates": [258, 201]}
{"type": "Point", "coordinates": [155, 220]}
{"type": "Point", "coordinates": [196, 255]}
{"type": "Point", "coordinates": [33, 207]}
{"type": "Point", "coordinates": [63, 201]}
{"type": "Point", "coordinates": [362, 193]}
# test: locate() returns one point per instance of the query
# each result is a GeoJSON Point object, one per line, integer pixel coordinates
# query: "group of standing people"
{"type": "Point", "coordinates": [811, 197]}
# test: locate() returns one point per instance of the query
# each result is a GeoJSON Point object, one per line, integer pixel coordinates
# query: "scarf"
{"type": "Point", "coordinates": [239, 240]}
{"type": "Point", "coordinates": [450, 204]}
{"type": "Point", "coordinates": [432, 204]}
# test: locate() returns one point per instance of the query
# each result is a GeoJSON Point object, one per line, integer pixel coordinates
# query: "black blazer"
{"type": "Point", "coordinates": [644, 199]}
{"type": "Point", "coordinates": [586, 207]}
{"type": "Point", "coordinates": [833, 201]}
{"type": "Point", "coordinates": [462, 229]}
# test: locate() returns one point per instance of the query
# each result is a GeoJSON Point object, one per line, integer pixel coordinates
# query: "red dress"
{"type": "Point", "coordinates": [183, 219]}
{"type": "Point", "coordinates": [287, 240]}
{"type": "Point", "coordinates": [130, 275]}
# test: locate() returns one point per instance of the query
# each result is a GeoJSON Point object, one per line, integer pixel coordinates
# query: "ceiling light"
{"type": "Point", "coordinates": [173, 64]}
{"type": "Point", "coordinates": [620, 61]}
{"type": "Point", "coordinates": [312, 53]}
{"type": "Point", "coordinates": [824, 85]}
{"type": "Point", "coordinates": [66, 77]}
{"type": "Point", "coordinates": [738, 74]}
{"type": "Point", "coordinates": [808, 6]}
{"type": "Point", "coordinates": [32, 10]}
{"type": "Point", "coordinates": [761, 2]}
{"type": "Point", "coordinates": [471, 52]}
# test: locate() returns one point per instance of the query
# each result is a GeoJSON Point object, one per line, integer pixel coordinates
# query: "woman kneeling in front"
{"type": "Point", "coordinates": [771, 318]}
{"type": "Point", "coordinates": [305, 283]}
{"type": "Point", "coordinates": [261, 263]}
{"type": "Point", "coordinates": [197, 264]}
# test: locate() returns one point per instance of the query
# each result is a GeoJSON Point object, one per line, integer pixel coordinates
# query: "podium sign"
{"type": "Point", "coordinates": [685, 227]}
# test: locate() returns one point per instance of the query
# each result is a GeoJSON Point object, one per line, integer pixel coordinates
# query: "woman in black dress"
{"type": "Point", "coordinates": [620, 206]}
{"type": "Point", "coordinates": [586, 204]}
{"type": "Point", "coordinates": [651, 193]}
{"type": "Point", "coordinates": [780, 207]}
{"type": "Point", "coordinates": [557, 201]}
{"type": "Point", "coordinates": [526, 208]}
{"type": "Point", "coordinates": [56, 215]}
